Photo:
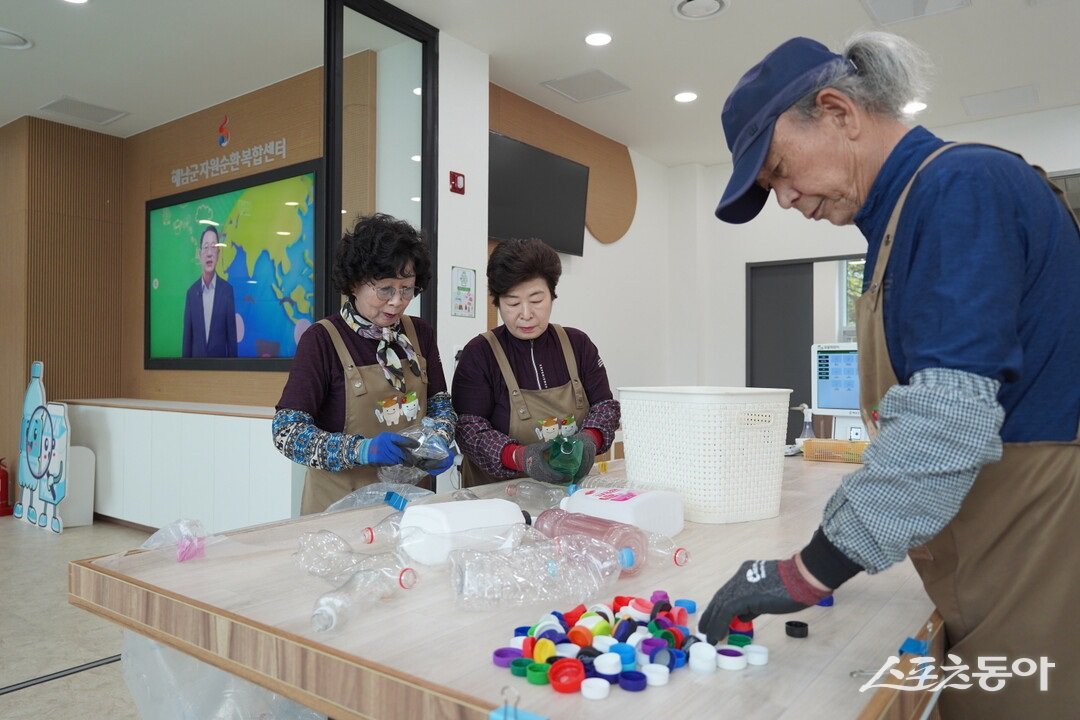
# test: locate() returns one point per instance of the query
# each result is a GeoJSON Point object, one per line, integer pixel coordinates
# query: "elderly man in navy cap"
{"type": "Point", "coordinates": [969, 334]}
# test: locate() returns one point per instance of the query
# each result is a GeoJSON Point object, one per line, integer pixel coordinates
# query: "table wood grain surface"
{"type": "Point", "coordinates": [246, 608]}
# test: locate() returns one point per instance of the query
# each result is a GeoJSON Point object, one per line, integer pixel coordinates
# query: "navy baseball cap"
{"type": "Point", "coordinates": [766, 90]}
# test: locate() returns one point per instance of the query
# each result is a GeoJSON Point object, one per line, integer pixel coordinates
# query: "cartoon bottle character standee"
{"type": "Point", "coordinates": [568, 426]}
{"type": "Point", "coordinates": [52, 485]}
{"type": "Point", "coordinates": [30, 441]}
{"type": "Point", "coordinates": [389, 410]}
{"type": "Point", "coordinates": [548, 428]}
{"type": "Point", "coordinates": [410, 406]}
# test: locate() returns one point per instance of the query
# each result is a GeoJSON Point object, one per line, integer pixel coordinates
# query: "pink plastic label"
{"type": "Point", "coordinates": [613, 494]}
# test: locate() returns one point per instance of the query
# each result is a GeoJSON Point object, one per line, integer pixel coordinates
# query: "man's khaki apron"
{"type": "Point", "coordinates": [1002, 572]}
{"type": "Point", "coordinates": [528, 407]}
{"type": "Point", "coordinates": [366, 391]}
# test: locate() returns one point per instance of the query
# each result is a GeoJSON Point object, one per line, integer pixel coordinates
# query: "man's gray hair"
{"type": "Point", "coordinates": [889, 73]}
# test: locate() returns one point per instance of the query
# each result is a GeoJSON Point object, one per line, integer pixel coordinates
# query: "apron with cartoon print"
{"type": "Point", "coordinates": [535, 415]}
{"type": "Point", "coordinates": [372, 406]}
{"type": "Point", "coordinates": [1001, 573]}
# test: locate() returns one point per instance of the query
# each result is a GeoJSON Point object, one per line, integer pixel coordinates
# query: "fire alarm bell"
{"type": "Point", "coordinates": [457, 182]}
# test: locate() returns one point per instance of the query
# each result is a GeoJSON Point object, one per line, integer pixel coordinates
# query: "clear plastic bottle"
{"type": "Point", "coordinates": [380, 577]}
{"type": "Point", "coordinates": [464, 494]}
{"type": "Point", "coordinates": [570, 569]}
{"type": "Point", "coordinates": [375, 494]}
{"type": "Point", "coordinates": [664, 549]}
{"type": "Point", "coordinates": [535, 496]}
{"type": "Point", "coordinates": [807, 426]}
{"type": "Point", "coordinates": [385, 531]}
{"type": "Point", "coordinates": [632, 543]}
{"type": "Point", "coordinates": [327, 555]}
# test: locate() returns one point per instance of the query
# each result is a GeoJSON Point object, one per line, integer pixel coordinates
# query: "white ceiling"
{"type": "Point", "coordinates": [161, 60]}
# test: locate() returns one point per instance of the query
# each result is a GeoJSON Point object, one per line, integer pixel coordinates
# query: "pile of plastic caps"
{"type": "Point", "coordinates": [632, 643]}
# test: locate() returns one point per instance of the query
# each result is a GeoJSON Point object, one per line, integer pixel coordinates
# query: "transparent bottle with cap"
{"type": "Point", "coordinates": [535, 496]}
{"type": "Point", "coordinates": [375, 494]}
{"type": "Point", "coordinates": [567, 570]}
{"type": "Point", "coordinates": [631, 542]}
{"type": "Point", "coordinates": [380, 577]}
{"type": "Point", "coordinates": [807, 426]}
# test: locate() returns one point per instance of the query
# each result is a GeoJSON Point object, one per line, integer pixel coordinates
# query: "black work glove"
{"type": "Point", "coordinates": [758, 587]}
{"type": "Point", "coordinates": [588, 454]}
{"type": "Point", "coordinates": [535, 464]}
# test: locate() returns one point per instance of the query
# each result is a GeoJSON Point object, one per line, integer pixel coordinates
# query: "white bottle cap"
{"type": "Point", "coordinates": [569, 650]}
{"type": "Point", "coordinates": [608, 663]}
{"type": "Point", "coordinates": [595, 688]}
{"type": "Point", "coordinates": [637, 636]}
{"type": "Point", "coordinates": [603, 643]}
{"type": "Point", "coordinates": [547, 618]}
{"type": "Point", "coordinates": [636, 614]}
{"type": "Point", "coordinates": [756, 654]}
{"type": "Point", "coordinates": [702, 657]}
{"type": "Point", "coordinates": [518, 641]}
{"type": "Point", "coordinates": [730, 662]}
{"type": "Point", "coordinates": [602, 609]}
{"type": "Point", "coordinates": [655, 674]}
{"type": "Point", "coordinates": [642, 659]}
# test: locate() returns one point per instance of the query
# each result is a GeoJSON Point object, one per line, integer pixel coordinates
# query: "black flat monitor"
{"type": "Point", "coordinates": [536, 194]}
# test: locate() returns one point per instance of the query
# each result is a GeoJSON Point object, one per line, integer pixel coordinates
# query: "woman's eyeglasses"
{"type": "Point", "coordinates": [387, 292]}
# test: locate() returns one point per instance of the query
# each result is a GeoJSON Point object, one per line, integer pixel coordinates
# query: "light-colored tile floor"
{"type": "Point", "coordinates": [40, 633]}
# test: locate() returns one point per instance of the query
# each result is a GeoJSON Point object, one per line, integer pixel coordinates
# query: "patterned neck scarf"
{"type": "Point", "coordinates": [388, 357]}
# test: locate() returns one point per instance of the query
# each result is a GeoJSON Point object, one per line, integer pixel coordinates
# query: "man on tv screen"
{"type": "Point", "coordinates": [210, 309]}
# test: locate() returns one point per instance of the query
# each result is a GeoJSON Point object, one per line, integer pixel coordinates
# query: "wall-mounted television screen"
{"type": "Point", "coordinates": [534, 193]}
{"type": "Point", "coordinates": [233, 272]}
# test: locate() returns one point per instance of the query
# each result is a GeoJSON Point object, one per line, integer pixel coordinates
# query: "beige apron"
{"type": "Point", "coordinates": [1002, 572]}
{"type": "Point", "coordinates": [528, 407]}
{"type": "Point", "coordinates": [372, 406]}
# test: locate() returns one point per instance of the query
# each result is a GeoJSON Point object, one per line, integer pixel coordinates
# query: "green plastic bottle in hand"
{"type": "Point", "coordinates": [564, 455]}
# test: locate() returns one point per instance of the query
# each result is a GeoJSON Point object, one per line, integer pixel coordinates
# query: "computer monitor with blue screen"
{"type": "Point", "coordinates": [834, 383]}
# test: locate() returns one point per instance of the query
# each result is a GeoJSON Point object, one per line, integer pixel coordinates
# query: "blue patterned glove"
{"type": "Point", "coordinates": [387, 449]}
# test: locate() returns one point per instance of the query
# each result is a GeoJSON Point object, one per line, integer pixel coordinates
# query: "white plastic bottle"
{"type": "Point", "coordinates": [658, 511]}
{"type": "Point", "coordinates": [440, 522]}
{"type": "Point", "coordinates": [381, 577]}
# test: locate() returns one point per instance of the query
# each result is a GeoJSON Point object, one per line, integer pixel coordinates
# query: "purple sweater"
{"type": "Point", "coordinates": [316, 383]}
{"type": "Point", "coordinates": [482, 401]}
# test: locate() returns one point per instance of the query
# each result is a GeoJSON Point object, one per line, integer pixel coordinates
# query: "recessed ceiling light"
{"type": "Point", "coordinates": [283, 232]}
{"type": "Point", "coordinates": [685, 97]}
{"type": "Point", "coordinates": [14, 41]}
{"type": "Point", "coordinates": [415, 158]}
{"type": "Point", "coordinates": [913, 107]}
{"type": "Point", "coordinates": [597, 39]}
{"type": "Point", "coordinates": [416, 91]}
{"type": "Point", "coordinates": [293, 203]}
{"type": "Point", "coordinates": [415, 199]}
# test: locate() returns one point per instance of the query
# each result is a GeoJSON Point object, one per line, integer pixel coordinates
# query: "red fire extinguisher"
{"type": "Point", "coordinates": [5, 505]}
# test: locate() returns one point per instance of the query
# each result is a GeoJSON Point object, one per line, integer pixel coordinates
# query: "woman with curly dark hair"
{"type": "Point", "coordinates": [367, 372]}
{"type": "Point", "coordinates": [528, 380]}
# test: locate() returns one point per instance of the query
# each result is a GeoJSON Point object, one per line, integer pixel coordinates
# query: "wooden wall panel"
{"type": "Point", "coordinates": [612, 198]}
{"type": "Point", "coordinates": [73, 259]}
{"type": "Point", "coordinates": [290, 109]}
{"type": "Point", "coordinates": [14, 159]}
{"type": "Point", "coordinates": [358, 134]}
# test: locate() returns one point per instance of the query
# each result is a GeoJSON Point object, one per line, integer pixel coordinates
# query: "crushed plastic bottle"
{"type": "Point", "coordinates": [381, 577]}
{"type": "Point", "coordinates": [375, 494]}
{"type": "Point", "coordinates": [327, 555]}
{"type": "Point", "coordinates": [565, 571]}
{"type": "Point", "coordinates": [535, 496]}
{"type": "Point", "coordinates": [631, 542]}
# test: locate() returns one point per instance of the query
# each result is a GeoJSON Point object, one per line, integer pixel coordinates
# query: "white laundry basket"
{"type": "Point", "coordinates": [720, 447]}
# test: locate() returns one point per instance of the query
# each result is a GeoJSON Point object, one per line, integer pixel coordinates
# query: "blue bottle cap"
{"type": "Point", "coordinates": [689, 605]}
{"type": "Point", "coordinates": [915, 647]}
{"type": "Point", "coordinates": [626, 557]}
{"type": "Point", "coordinates": [395, 500]}
{"type": "Point", "coordinates": [826, 602]}
{"type": "Point", "coordinates": [521, 631]}
{"type": "Point", "coordinates": [571, 488]}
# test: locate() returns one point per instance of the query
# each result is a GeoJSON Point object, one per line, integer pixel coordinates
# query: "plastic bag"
{"type": "Point", "coordinates": [432, 447]}
{"type": "Point", "coordinates": [166, 684]}
{"type": "Point", "coordinates": [375, 494]}
{"type": "Point", "coordinates": [189, 536]}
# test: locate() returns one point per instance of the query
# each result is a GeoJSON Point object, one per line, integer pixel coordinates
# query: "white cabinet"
{"type": "Point", "coordinates": [158, 462]}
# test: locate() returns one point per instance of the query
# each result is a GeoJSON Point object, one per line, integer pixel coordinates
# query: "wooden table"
{"type": "Point", "coordinates": [246, 608]}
